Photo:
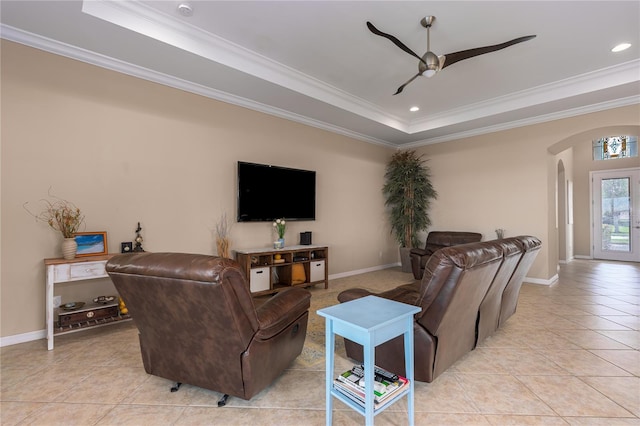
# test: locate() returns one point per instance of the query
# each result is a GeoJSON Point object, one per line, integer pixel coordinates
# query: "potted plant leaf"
{"type": "Point", "coordinates": [408, 192]}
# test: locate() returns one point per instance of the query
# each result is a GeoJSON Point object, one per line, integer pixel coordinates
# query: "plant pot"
{"type": "Point", "coordinates": [405, 259]}
{"type": "Point", "coordinates": [69, 248]}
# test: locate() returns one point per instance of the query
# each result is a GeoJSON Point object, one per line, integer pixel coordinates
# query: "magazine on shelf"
{"type": "Point", "coordinates": [351, 383]}
{"type": "Point", "coordinates": [358, 395]}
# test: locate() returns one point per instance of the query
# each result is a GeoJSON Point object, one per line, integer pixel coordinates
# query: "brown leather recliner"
{"type": "Point", "coordinates": [455, 284]}
{"type": "Point", "coordinates": [197, 322]}
{"type": "Point", "coordinates": [435, 241]}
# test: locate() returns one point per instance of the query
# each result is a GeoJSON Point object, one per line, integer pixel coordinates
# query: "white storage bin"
{"type": "Point", "coordinates": [259, 280]}
{"type": "Point", "coordinates": [316, 268]}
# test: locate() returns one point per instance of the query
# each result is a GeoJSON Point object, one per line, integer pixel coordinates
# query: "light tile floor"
{"type": "Point", "coordinates": [570, 355]}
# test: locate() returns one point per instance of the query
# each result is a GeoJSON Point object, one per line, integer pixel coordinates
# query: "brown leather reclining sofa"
{"type": "Point", "coordinates": [467, 291]}
{"type": "Point", "coordinates": [197, 322]}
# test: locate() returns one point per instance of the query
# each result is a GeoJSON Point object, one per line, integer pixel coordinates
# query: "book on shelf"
{"type": "Point", "coordinates": [351, 383]}
{"type": "Point", "coordinates": [358, 397]}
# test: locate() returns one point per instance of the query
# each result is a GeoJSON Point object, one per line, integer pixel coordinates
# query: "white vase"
{"type": "Point", "coordinates": [69, 248]}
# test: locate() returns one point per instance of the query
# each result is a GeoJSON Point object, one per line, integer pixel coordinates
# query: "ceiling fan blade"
{"type": "Point", "coordinates": [395, 41]}
{"type": "Point", "coordinates": [410, 80]}
{"type": "Point", "coordinates": [452, 58]}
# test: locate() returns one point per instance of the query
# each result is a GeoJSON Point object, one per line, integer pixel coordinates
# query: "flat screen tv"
{"type": "Point", "coordinates": [266, 193]}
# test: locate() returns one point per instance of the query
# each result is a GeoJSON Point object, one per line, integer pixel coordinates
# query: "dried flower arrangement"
{"type": "Point", "coordinates": [223, 243]}
{"type": "Point", "coordinates": [61, 215]}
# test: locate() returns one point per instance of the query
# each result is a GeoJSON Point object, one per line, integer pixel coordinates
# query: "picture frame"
{"type": "Point", "coordinates": [91, 243]}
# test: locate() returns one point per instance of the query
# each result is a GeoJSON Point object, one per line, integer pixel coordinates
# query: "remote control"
{"type": "Point", "coordinates": [379, 373]}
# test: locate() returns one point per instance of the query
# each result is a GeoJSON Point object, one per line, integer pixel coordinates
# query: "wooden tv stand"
{"type": "Point", "coordinates": [273, 270]}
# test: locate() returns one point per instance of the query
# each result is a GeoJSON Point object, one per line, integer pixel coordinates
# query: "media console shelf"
{"type": "Point", "coordinates": [273, 270]}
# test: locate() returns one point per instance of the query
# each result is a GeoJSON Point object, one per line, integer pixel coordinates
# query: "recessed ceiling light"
{"type": "Point", "coordinates": [621, 47]}
{"type": "Point", "coordinates": [185, 9]}
{"type": "Point", "coordinates": [414, 109]}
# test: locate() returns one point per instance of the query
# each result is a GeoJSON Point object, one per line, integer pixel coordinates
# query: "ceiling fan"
{"type": "Point", "coordinates": [430, 63]}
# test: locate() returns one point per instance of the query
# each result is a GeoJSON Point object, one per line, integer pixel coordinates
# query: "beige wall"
{"type": "Point", "coordinates": [508, 179]}
{"type": "Point", "coordinates": [126, 150]}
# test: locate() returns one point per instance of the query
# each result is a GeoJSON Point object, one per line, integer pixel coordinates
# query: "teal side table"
{"type": "Point", "coordinates": [369, 321]}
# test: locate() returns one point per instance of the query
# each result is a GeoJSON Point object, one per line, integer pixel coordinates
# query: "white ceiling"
{"type": "Point", "coordinates": [316, 62]}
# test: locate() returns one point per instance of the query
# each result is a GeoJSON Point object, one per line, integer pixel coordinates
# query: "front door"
{"type": "Point", "coordinates": [616, 214]}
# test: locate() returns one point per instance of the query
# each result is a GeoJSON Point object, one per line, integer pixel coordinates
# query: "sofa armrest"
{"type": "Point", "coordinates": [281, 310]}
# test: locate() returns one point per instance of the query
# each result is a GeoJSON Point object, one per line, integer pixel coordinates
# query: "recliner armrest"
{"type": "Point", "coordinates": [427, 251]}
{"type": "Point", "coordinates": [419, 251]}
{"type": "Point", "coordinates": [281, 310]}
{"type": "Point", "coordinates": [353, 294]}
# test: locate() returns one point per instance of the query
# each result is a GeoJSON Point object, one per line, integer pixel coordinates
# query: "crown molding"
{"type": "Point", "coordinates": [589, 82]}
{"type": "Point", "coordinates": [166, 28]}
{"type": "Point", "coordinates": [574, 112]}
{"type": "Point", "coordinates": [103, 61]}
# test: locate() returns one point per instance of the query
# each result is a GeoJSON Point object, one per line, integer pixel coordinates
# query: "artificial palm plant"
{"type": "Point", "coordinates": [408, 191]}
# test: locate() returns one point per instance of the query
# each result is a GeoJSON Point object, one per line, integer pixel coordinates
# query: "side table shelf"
{"type": "Point", "coordinates": [61, 271]}
{"type": "Point", "coordinates": [272, 270]}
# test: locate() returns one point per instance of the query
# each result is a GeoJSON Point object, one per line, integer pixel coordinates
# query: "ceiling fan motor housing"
{"type": "Point", "coordinates": [431, 64]}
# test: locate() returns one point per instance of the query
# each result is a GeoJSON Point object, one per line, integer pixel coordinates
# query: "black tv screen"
{"type": "Point", "coordinates": [266, 193]}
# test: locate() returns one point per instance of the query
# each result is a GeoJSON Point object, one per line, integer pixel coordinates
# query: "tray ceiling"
{"type": "Point", "coordinates": [317, 63]}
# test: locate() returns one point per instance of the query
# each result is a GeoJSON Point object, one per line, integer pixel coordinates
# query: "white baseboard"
{"type": "Point", "coordinates": [577, 256]}
{"type": "Point", "coordinates": [540, 281]}
{"type": "Point", "coordinates": [22, 338]}
{"type": "Point", "coordinates": [362, 271]}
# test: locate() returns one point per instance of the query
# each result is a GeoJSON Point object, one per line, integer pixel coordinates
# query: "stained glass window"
{"type": "Point", "coordinates": [613, 147]}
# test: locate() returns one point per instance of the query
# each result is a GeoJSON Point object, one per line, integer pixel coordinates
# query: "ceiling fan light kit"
{"type": "Point", "coordinates": [430, 64]}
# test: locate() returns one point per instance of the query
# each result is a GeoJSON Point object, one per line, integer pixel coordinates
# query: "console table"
{"type": "Point", "coordinates": [369, 321]}
{"type": "Point", "coordinates": [61, 271]}
{"type": "Point", "coordinates": [273, 270]}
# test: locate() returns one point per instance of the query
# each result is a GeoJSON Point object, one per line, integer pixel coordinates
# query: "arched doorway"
{"type": "Point", "coordinates": [572, 232]}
